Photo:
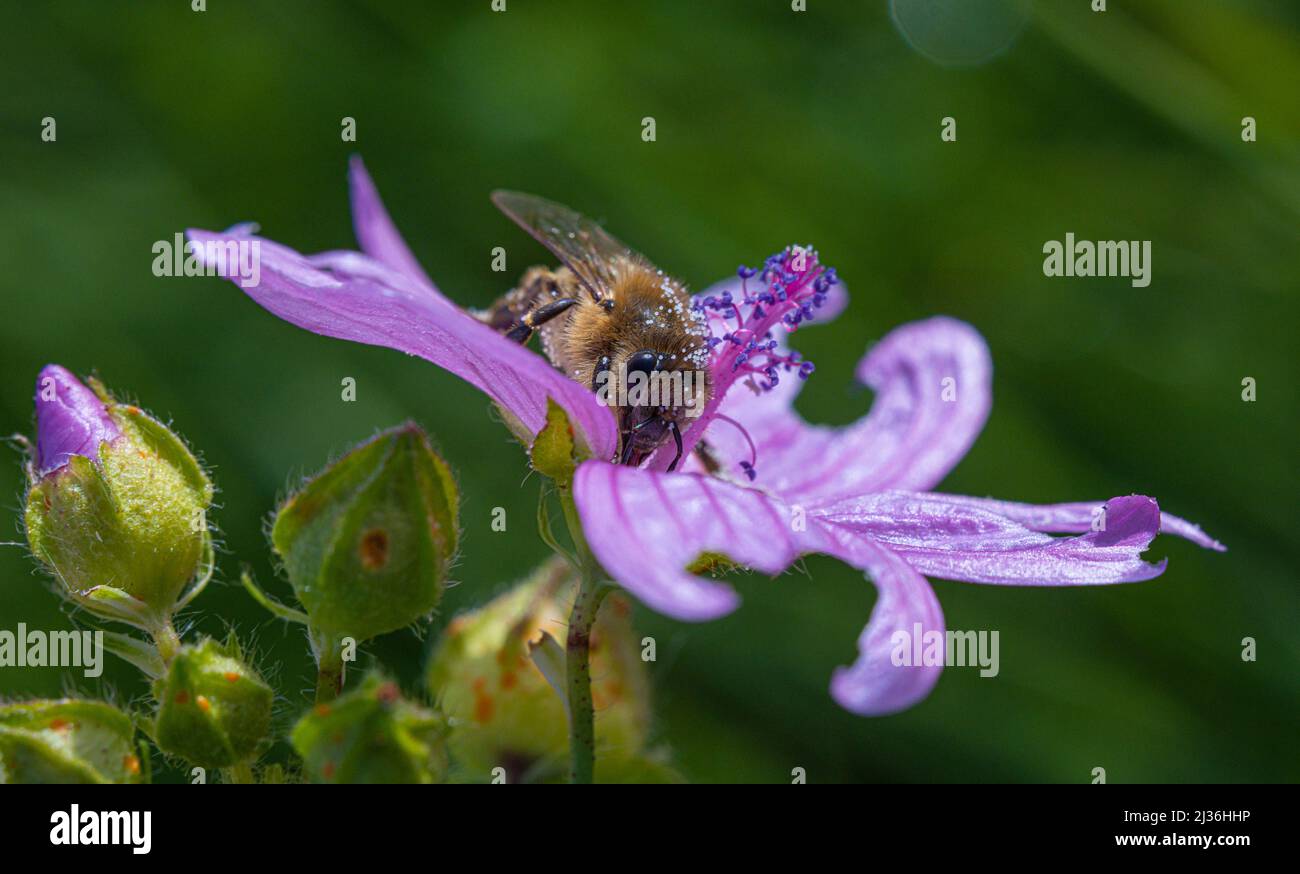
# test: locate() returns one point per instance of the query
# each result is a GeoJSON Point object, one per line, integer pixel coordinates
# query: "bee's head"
{"type": "Point", "coordinates": [651, 412]}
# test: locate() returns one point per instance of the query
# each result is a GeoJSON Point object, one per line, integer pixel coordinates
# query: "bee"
{"type": "Point", "coordinates": [605, 315]}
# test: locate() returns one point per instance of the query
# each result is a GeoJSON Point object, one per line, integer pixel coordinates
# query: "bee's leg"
{"type": "Point", "coordinates": [628, 444]}
{"type": "Point", "coordinates": [677, 437]}
{"type": "Point", "coordinates": [537, 287]}
{"type": "Point", "coordinates": [530, 322]}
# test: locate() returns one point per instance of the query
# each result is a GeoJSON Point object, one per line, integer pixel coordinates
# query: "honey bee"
{"type": "Point", "coordinates": [605, 315]}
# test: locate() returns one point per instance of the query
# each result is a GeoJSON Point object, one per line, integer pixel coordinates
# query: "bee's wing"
{"type": "Point", "coordinates": [581, 245]}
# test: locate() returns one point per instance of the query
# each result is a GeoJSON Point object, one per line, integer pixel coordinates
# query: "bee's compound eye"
{"type": "Point", "coordinates": [643, 361]}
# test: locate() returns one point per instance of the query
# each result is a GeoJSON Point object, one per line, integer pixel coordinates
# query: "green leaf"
{"type": "Point", "coordinates": [206, 570]}
{"type": "Point", "coordinates": [141, 653]}
{"type": "Point", "coordinates": [110, 603]}
{"type": "Point", "coordinates": [553, 452]}
{"type": "Point", "coordinates": [548, 655]}
{"type": "Point", "coordinates": [272, 606]}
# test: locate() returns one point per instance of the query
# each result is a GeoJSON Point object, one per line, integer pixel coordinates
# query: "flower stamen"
{"type": "Point", "coordinates": [785, 292]}
{"type": "Point", "coordinates": [749, 467]}
{"type": "Point", "coordinates": [794, 286]}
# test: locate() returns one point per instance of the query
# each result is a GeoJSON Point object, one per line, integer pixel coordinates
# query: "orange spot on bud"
{"type": "Point", "coordinates": [203, 703]}
{"type": "Point", "coordinates": [182, 697]}
{"type": "Point", "coordinates": [374, 549]}
{"type": "Point", "coordinates": [231, 676]}
{"type": "Point", "coordinates": [132, 764]}
{"type": "Point", "coordinates": [483, 705]}
{"type": "Point", "coordinates": [60, 725]}
{"type": "Point", "coordinates": [321, 710]}
{"type": "Point", "coordinates": [509, 680]}
{"type": "Point", "coordinates": [327, 770]}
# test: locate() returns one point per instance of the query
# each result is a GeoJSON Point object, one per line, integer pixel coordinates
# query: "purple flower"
{"type": "Point", "coordinates": [70, 420]}
{"type": "Point", "coordinates": [786, 488]}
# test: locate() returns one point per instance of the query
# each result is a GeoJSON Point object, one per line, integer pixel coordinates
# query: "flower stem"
{"type": "Point", "coordinates": [577, 667]}
{"type": "Point", "coordinates": [329, 666]}
{"type": "Point", "coordinates": [167, 642]}
{"type": "Point", "coordinates": [329, 678]}
{"type": "Point", "coordinates": [577, 650]}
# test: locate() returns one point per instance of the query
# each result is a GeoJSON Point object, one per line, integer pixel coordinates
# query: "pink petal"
{"type": "Point", "coordinates": [952, 539]}
{"type": "Point", "coordinates": [376, 233]}
{"type": "Point", "coordinates": [355, 297]}
{"type": "Point", "coordinates": [1077, 517]}
{"type": "Point", "coordinates": [874, 685]}
{"type": "Point", "coordinates": [933, 382]}
{"type": "Point", "coordinates": [70, 420]}
{"type": "Point", "coordinates": [646, 527]}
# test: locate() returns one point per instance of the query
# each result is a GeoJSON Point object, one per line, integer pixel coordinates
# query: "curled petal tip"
{"type": "Point", "coordinates": [70, 420]}
{"type": "Point", "coordinates": [933, 384]}
{"type": "Point", "coordinates": [1129, 519]}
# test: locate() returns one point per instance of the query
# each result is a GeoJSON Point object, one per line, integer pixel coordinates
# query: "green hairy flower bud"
{"type": "Point", "coordinates": [117, 516]}
{"type": "Point", "coordinates": [371, 735]}
{"type": "Point", "coordinates": [67, 741]}
{"type": "Point", "coordinates": [213, 709]}
{"type": "Point", "coordinates": [491, 670]}
{"type": "Point", "coordinates": [367, 543]}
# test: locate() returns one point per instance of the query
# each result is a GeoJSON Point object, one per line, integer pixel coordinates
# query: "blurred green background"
{"type": "Point", "coordinates": [772, 127]}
